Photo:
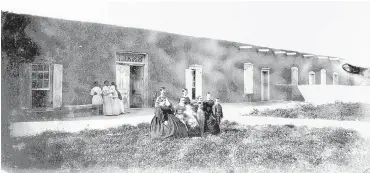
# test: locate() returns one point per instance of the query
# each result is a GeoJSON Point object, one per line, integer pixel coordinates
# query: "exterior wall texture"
{"type": "Point", "coordinates": [87, 53]}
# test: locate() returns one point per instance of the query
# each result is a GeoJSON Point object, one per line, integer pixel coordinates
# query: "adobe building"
{"type": "Point", "coordinates": [73, 55]}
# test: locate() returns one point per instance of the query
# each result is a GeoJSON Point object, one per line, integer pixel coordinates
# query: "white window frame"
{"type": "Point", "coordinates": [337, 82]}
{"type": "Point", "coordinates": [49, 71]}
{"type": "Point", "coordinates": [314, 78]}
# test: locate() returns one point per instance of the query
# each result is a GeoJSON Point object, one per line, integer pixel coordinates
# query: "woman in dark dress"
{"type": "Point", "coordinates": [164, 124]}
{"type": "Point", "coordinates": [212, 125]}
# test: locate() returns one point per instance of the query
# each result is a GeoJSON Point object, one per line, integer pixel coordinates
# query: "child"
{"type": "Point", "coordinates": [97, 99]}
{"type": "Point", "coordinates": [180, 110]}
{"type": "Point", "coordinates": [201, 116]}
{"type": "Point", "coordinates": [217, 110]}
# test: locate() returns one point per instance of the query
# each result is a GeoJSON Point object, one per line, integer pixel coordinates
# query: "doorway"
{"type": "Point", "coordinates": [265, 84]}
{"type": "Point", "coordinates": [136, 86]}
{"type": "Point", "coordinates": [194, 81]}
{"type": "Point", "coordinates": [132, 78]}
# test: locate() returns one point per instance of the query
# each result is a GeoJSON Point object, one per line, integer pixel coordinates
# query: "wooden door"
{"type": "Point", "coordinates": [323, 77]}
{"type": "Point", "coordinates": [198, 82]}
{"type": "Point", "coordinates": [248, 78]}
{"type": "Point", "coordinates": [294, 76]}
{"type": "Point", "coordinates": [123, 82]}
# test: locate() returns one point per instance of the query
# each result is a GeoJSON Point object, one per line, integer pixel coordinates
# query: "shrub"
{"type": "Point", "coordinates": [334, 111]}
{"type": "Point", "coordinates": [130, 147]}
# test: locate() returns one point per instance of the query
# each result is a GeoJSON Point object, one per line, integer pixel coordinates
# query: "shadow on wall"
{"type": "Point", "coordinates": [287, 92]}
{"type": "Point", "coordinates": [321, 94]}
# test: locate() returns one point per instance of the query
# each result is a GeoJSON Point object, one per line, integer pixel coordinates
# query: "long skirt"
{"type": "Point", "coordinates": [213, 125]}
{"type": "Point", "coordinates": [97, 100]}
{"type": "Point", "coordinates": [116, 106]}
{"type": "Point", "coordinates": [174, 128]}
{"type": "Point", "coordinates": [122, 107]}
{"type": "Point", "coordinates": [107, 105]}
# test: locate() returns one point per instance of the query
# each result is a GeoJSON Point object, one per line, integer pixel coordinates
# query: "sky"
{"type": "Point", "coordinates": [339, 29]}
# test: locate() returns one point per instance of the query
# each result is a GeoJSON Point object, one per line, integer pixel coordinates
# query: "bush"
{"type": "Point", "coordinates": [333, 111]}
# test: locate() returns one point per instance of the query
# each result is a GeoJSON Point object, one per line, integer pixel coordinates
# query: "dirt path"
{"type": "Point", "coordinates": [232, 112]}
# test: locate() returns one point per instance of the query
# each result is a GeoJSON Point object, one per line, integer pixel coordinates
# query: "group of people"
{"type": "Point", "coordinates": [178, 121]}
{"type": "Point", "coordinates": [108, 97]}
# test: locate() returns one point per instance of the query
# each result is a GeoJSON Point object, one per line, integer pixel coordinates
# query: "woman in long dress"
{"type": "Point", "coordinates": [212, 125]}
{"type": "Point", "coordinates": [164, 124]}
{"type": "Point", "coordinates": [117, 100]}
{"type": "Point", "coordinates": [208, 104]}
{"type": "Point", "coordinates": [97, 99]}
{"type": "Point", "coordinates": [107, 99]}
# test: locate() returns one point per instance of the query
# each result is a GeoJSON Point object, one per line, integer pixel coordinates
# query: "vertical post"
{"type": "Point", "coordinates": [189, 82]}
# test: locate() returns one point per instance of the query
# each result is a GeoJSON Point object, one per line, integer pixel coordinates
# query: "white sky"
{"type": "Point", "coordinates": [340, 29]}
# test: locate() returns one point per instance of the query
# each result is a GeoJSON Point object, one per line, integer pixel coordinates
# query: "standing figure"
{"type": "Point", "coordinates": [164, 123]}
{"type": "Point", "coordinates": [107, 99]}
{"type": "Point", "coordinates": [200, 116]}
{"type": "Point", "coordinates": [185, 95]}
{"type": "Point", "coordinates": [217, 111]}
{"type": "Point", "coordinates": [117, 102]}
{"type": "Point", "coordinates": [97, 99]}
{"type": "Point", "coordinates": [208, 104]}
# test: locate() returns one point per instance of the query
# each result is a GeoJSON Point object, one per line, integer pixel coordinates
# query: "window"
{"type": "Point", "coordinates": [335, 78]}
{"type": "Point", "coordinates": [40, 77]}
{"type": "Point", "coordinates": [323, 77]}
{"type": "Point", "coordinates": [294, 75]}
{"type": "Point", "coordinates": [311, 78]}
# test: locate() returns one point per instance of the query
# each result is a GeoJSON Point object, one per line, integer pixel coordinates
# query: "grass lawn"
{"type": "Point", "coordinates": [237, 149]}
{"type": "Point", "coordinates": [332, 111]}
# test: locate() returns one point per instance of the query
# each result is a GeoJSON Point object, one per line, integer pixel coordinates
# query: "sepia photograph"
{"type": "Point", "coordinates": [185, 86]}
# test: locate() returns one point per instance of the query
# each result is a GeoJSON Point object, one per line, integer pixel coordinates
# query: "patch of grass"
{"type": "Point", "coordinates": [332, 111]}
{"type": "Point", "coordinates": [237, 146]}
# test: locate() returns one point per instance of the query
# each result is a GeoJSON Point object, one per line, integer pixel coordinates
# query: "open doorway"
{"type": "Point", "coordinates": [194, 81]}
{"type": "Point", "coordinates": [136, 86]}
{"type": "Point", "coordinates": [132, 79]}
{"type": "Point", "coordinates": [265, 84]}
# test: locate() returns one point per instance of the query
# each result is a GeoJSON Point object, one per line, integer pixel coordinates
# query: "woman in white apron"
{"type": "Point", "coordinates": [97, 99]}
{"type": "Point", "coordinates": [107, 99]}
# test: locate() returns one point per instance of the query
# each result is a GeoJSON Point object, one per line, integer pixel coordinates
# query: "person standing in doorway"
{"type": "Point", "coordinates": [97, 100]}
{"type": "Point", "coordinates": [107, 99]}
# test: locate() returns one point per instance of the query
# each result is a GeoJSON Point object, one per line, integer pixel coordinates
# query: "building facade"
{"type": "Point", "coordinates": [74, 55]}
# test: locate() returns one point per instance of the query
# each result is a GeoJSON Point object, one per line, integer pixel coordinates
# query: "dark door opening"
{"type": "Point", "coordinates": [193, 96]}
{"type": "Point", "coordinates": [136, 86]}
{"type": "Point", "coordinates": [265, 86]}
